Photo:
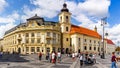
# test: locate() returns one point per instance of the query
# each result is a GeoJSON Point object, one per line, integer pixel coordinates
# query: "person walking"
{"type": "Point", "coordinates": [73, 56]}
{"type": "Point", "coordinates": [59, 57]}
{"type": "Point", "coordinates": [113, 60]}
{"type": "Point", "coordinates": [81, 60]}
{"type": "Point", "coordinates": [53, 57]}
{"type": "Point", "coordinates": [40, 56]}
{"type": "Point", "coordinates": [47, 56]}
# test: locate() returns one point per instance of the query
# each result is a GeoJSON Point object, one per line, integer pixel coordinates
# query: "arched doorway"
{"type": "Point", "coordinates": [67, 50]}
{"type": "Point", "coordinates": [78, 50]}
{"type": "Point", "coordinates": [19, 50]}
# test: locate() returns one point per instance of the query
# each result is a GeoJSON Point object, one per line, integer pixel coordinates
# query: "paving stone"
{"type": "Point", "coordinates": [19, 67]}
{"type": "Point", "coordinates": [36, 64]}
{"type": "Point", "coordinates": [60, 66]}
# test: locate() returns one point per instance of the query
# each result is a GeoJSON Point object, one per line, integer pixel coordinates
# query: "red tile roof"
{"type": "Point", "coordinates": [109, 42]}
{"type": "Point", "coordinates": [85, 31]}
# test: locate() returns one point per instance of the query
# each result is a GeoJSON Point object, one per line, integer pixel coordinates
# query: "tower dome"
{"type": "Point", "coordinates": [64, 9]}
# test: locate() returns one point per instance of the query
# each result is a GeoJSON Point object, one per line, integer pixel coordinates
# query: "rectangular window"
{"type": "Point", "coordinates": [48, 33]}
{"type": "Point", "coordinates": [54, 35]}
{"type": "Point", "coordinates": [27, 40]}
{"type": "Point", "coordinates": [54, 49]}
{"type": "Point", "coordinates": [85, 40]}
{"type": "Point", "coordinates": [32, 49]}
{"type": "Point", "coordinates": [48, 41]}
{"type": "Point", "coordinates": [27, 34]}
{"type": "Point", "coordinates": [38, 34]}
{"type": "Point", "coordinates": [67, 39]}
{"type": "Point", "coordinates": [94, 41]}
{"type": "Point", "coordinates": [90, 41]}
{"type": "Point", "coordinates": [27, 49]}
{"type": "Point", "coordinates": [94, 48]}
{"type": "Point", "coordinates": [32, 40]}
{"type": "Point", "coordinates": [32, 35]}
{"type": "Point", "coordinates": [54, 41]}
{"type": "Point", "coordinates": [48, 49]}
{"type": "Point", "coordinates": [38, 49]}
{"type": "Point", "coordinates": [38, 40]}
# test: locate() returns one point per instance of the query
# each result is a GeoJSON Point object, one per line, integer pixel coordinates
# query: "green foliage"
{"type": "Point", "coordinates": [117, 48]}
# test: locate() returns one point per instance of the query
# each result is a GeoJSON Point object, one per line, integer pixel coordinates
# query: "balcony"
{"type": "Point", "coordinates": [48, 37]}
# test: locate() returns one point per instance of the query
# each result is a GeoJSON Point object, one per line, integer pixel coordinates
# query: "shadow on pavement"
{"type": "Point", "coordinates": [12, 58]}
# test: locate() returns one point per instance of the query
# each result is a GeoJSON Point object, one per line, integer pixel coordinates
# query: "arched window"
{"type": "Point", "coordinates": [85, 48]}
{"type": "Point", "coordinates": [66, 28]}
{"type": "Point", "coordinates": [90, 48]}
{"type": "Point", "coordinates": [67, 18]}
{"type": "Point", "coordinates": [61, 18]}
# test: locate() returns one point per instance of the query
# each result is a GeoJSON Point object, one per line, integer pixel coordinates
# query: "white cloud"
{"type": "Point", "coordinates": [114, 33]}
{"type": "Point", "coordinates": [45, 8]}
{"type": "Point", "coordinates": [8, 22]}
{"type": "Point", "coordinates": [6, 27]}
{"type": "Point", "coordinates": [3, 4]}
{"type": "Point", "coordinates": [10, 18]}
{"type": "Point", "coordinates": [98, 8]}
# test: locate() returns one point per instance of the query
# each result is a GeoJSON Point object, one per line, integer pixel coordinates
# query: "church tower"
{"type": "Point", "coordinates": [65, 24]}
{"type": "Point", "coordinates": [95, 29]}
{"type": "Point", "coordinates": [64, 19]}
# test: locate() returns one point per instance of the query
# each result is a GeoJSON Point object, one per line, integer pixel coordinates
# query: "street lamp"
{"type": "Point", "coordinates": [103, 23]}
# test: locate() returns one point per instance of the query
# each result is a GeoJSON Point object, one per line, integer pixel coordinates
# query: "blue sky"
{"type": "Point", "coordinates": [86, 13]}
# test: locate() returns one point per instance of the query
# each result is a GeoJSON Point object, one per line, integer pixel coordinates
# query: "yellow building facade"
{"type": "Point", "coordinates": [38, 35]}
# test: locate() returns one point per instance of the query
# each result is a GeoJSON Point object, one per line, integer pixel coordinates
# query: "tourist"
{"type": "Point", "coordinates": [40, 56]}
{"type": "Point", "coordinates": [59, 56]}
{"type": "Point", "coordinates": [53, 57]}
{"type": "Point", "coordinates": [113, 60]}
{"type": "Point", "coordinates": [81, 60]}
{"type": "Point", "coordinates": [73, 56]}
{"type": "Point", "coordinates": [47, 56]}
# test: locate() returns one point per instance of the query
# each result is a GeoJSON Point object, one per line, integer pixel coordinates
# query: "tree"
{"type": "Point", "coordinates": [117, 48]}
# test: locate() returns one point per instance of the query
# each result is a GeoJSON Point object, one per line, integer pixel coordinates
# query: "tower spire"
{"type": "Point", "coordinates": [64, 9]}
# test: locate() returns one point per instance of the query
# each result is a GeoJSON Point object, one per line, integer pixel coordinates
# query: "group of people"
{"type": "Point", "coordinates": [87, 58]}
{"type": "Point", "coordinates": [52, 57]}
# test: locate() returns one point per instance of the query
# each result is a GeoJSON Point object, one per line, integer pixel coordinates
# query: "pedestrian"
{"type": "Point", "coordinates": [40, 55]}
{"type": "Point", "coordinates": [47, 56]}
{"type": "Point", "coordinates": [113, 60]}
{"type": "Point", "coordinates": [59, 56]}
{"type": "Point", "coordinates": [50, 57]}
{"type": "Point", "coordinates": [1, 54]}
{"type": "Point", "coordinates": [81, 60]}
{"type": "Point", "coordinates": [53, 57]}
{"type": "Point", "coordinates": [73, 56]}
{"type": "Point", "coordinates": [94, 58]}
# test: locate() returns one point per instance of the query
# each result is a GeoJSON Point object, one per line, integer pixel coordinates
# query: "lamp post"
{"type": "Point", "coordinates": [103, 23]}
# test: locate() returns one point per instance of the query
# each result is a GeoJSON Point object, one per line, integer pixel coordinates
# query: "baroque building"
{"type": "Point", "coordinates": [38, 35]}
